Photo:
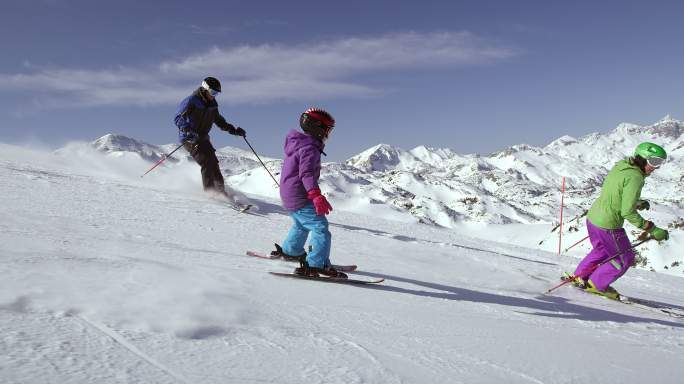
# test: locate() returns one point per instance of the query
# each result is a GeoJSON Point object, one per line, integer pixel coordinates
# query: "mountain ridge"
{"type": "Point", "coordinates": [518, 184]}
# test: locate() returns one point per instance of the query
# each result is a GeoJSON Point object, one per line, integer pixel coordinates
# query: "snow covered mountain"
{"type": "Point", "coordinates": [520, 184]}
{"type": "Point", "coordinates": [119, 145]}
{"type": "Point", "coordinates": [436, 186]}
{"type": "Point", "coordinates": [232, 160]}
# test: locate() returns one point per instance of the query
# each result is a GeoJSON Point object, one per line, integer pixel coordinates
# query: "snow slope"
{"type": "Point", "coordinates": [518, 185]}
{"type": "Point", "coordinates": [110, 278]}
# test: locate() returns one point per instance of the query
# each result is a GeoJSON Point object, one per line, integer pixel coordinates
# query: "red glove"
{"type": "Point", "coordinates": [319, 201]}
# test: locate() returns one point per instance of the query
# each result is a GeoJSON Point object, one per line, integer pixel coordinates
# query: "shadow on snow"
{"type": "Point", "coordinates": [417, 240]}
{"type": "Point", "coordinates": [552, 306]}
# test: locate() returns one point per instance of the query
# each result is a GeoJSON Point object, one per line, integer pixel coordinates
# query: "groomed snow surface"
{"type": "Point", "coordinates": [110, 278]}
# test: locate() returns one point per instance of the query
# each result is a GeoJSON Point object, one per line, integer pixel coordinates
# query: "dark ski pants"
{"type": "Point", "coordinates": [205, 155]}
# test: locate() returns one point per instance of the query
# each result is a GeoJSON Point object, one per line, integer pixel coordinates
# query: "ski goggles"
{"type": "Point", "coordinates": [655, 162]}
{"type": "Point", "coordinates": [211, 91]}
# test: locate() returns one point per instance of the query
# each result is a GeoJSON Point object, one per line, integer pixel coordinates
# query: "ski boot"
{"type": "Point", "coordinates": [280, 254]}
{"type": "Point", "coordinates": [609, 292]}
{"type": "Point", "coordinates": [576, 280]}
{"type": "Point", "coordinates": [305, 270]}
{"type": "Point", "coordinates": [331, 272]}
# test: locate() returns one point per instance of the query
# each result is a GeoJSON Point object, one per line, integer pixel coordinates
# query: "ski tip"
{"type": "Point", "coordinates": [259, 255]}
{"type": "Point", "coordinates": [345, 268]}
{"type": "Point", "coordinates": [241, 208]}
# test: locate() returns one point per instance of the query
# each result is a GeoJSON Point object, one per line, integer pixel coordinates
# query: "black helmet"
{"type": "Point", "coordinates": [211, 83]}
{"type": "Point", "coordinates": [317, 122]}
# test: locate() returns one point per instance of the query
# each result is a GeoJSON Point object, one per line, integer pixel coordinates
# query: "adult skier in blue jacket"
{"type": "Point", "coordinates": [195, 116]}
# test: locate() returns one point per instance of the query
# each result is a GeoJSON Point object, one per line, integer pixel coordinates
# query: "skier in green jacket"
{"type": "Point", "coordinates": [619, 201]}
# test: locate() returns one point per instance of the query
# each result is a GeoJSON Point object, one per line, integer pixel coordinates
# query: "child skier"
{"type": "Point", "coordinates": [619, 200]}
{"type": "Point", "coordinates": [302, 196]}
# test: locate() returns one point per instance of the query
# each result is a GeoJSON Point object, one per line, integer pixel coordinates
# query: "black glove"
{"type": "Point", "coordinates": [187, 136]}
{"type": "Point", "coordinates": [240, 132]}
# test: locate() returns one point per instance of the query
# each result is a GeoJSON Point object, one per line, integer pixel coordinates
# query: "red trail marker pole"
{"type": "Point", "coordinates": [560, 231]}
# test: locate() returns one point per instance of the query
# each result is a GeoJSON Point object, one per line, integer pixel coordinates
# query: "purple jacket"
{"type": "Point", "coordinates": [301, 169]}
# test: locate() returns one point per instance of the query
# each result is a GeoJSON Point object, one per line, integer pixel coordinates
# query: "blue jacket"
{"type": "Point", "coordinates": [197, 114]}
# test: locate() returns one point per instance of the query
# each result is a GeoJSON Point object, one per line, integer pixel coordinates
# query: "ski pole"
{"type": "Point", "coordinates": [262, 163]}
{"type": "Point", "coordinates": [572, 246]}
{"type": "Point", "coordinates": [164, 157]}
{"type": "Point", "coordinates": [577, 217]}
{"type": "Point", "coordinates": [573, 277]}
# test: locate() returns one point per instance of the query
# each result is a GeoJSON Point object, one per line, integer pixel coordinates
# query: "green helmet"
{"type": "Point", "coordinates": [654, 154]}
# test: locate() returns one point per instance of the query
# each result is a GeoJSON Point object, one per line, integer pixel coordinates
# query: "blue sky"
{"type": "Point", "coordinates": [474, 76]}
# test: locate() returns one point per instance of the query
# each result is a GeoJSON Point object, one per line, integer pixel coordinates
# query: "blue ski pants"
{"type": "Point", "coordinates": [315, 227]}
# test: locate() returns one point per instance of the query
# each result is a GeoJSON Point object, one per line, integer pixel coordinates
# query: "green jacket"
{"type": "Point", "coordinates": [620, 192]}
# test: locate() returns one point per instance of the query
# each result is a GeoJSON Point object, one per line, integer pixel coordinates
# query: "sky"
{"type": "Point", "coordinates": [473, 76]}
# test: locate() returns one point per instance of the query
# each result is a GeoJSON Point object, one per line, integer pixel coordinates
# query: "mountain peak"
{"type": "Point", "coordinates": [431, 154]}
{"type": "Point", "coordinates": [111, 143]}
{"type": "Point", "coordinates": [667, 128]}
{"type": "Point", "coordinates": [382, 148]}
{"type": "Point", "coordinates": [116, 142]}
{"type": "Point", "coordinates": [377, 158]}
{"type": "Point", "coordinates": [563, 141]}
{"type": "Point", "coordinates": [666, 119]}
{"type": "Point", "coordinates": [628, 128]}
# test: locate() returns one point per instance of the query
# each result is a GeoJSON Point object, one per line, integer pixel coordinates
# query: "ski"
{"type": "Point", "coordinates": [254, 254]}
{"type": "Point", "coordinates": [567, 276]}
{"type": "Point", "coordinates": [240, 208]}
{"type": "Point", "coordinates": [634, 302]}
{"type": "Point", "coordinates": [341, 268]}
{"type": "Point", "coordinates": [230, 202]}
{"type": "Point", "coordinates": [328, 279]}
{"type": "Point", "coordinates": [649, 305]}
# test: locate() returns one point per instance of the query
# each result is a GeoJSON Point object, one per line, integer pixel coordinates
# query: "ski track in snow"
{"type": "Point", "coordinates": [120, 340]}
{"type": "Point", "coordinates": [111, 279]}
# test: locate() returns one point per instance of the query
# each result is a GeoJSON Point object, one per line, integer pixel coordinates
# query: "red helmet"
{"type": "Point", "coordinates": [317, 123]}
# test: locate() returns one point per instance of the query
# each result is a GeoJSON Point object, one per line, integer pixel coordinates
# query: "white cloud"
{"type": "Point", "coordinates": [263, 73]}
